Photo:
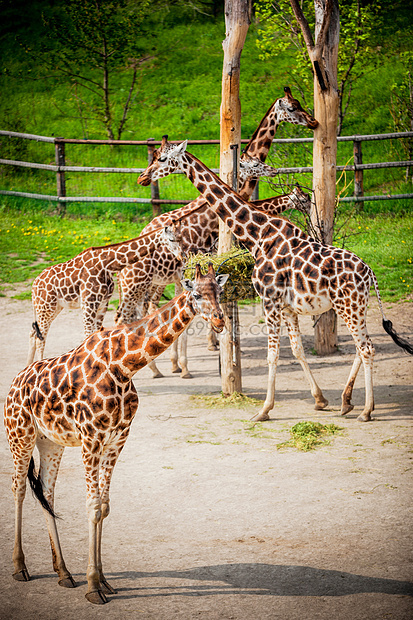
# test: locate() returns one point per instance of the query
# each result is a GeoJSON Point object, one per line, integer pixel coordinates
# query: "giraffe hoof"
{"type": "Point", "coordinates": [346, 409]}
{"type": "Point", "coordinates": [176, 370]}
{"type": "Point", "coordinates": [213, 347]}
{"type": "Point", "coordinates": [97, 597]}
{"type": "Point", "coordinates": [187, 375]}
{"type": "Point", "coordinates": [67, 582]}
{"type": "Point", "coordinates": [260, 417]}
{"type": "Point", "coordinates": [106, 587]}
{"type": "Point", "coordinates": [321, 403]}
{"type": "Point", "coordinates": [364, 417]}
{"type": "Point", "coordinates": [158, 375]}
{"type": "Point", "coordinates": [22, 575]}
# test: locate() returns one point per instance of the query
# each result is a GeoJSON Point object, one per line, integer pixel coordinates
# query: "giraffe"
{"type": "Point", "coordinates": [142, 283]}
{"type": "Point", "coordinates": [87, 281]}
{"type": "Point", "coordinates": [200, 225]}
{"type": "Point", "coordinates": [87, 398]}
{"type": "Point", "coordinates": [293, 274]}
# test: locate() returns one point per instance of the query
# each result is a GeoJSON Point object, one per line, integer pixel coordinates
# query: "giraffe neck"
{"type": "Point", "coordinates": [150, 336]}
{"type": "Point", "coordinates": [259, 147]}
{"type": "Point", "coordinates": [117, 256]}
{"type": "Point", "coordinates": [247, 224]}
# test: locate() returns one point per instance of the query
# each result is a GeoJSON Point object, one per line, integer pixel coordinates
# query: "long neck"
{"type": "Point", "coordinates": [246, 223]}
{"type": "Point", "coordinates": [259, 146]}
{"type": "Point", "coordinates": [149, 337]}
{"type": "Point", "coordinates": [273, 206]}
{"type": "Point", "coordinates": [116, 257]}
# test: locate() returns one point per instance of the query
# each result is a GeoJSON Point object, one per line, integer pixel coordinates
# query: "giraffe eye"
{"type": "Point", "coordinates": [162, 159]}
{"type": "Point", "coordinates": [197, 296]}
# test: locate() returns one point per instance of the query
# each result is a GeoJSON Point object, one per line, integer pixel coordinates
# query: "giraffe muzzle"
{"type": "Point", "coordinates": [144, 179]}
{"type": "Point", "coordinates": [217, 321]}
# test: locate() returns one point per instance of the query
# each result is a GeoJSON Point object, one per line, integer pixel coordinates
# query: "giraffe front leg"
{"type": "Point", "coordinates": [94, 592]}
{"type": "Point", "coordinates": [108, 463]}
{"type": "Point", "coordinates": [50, 458]}
{"type": "Point", "coordinates": [212, 339]}
{"type": "Point", "coordinates": [293, 328]}
{"type": "Point", "coordinates": [183, 355]}
{"type": "Point", "coordinates": [273, 320]}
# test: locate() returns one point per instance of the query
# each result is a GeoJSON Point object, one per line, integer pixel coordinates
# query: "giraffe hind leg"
{"type": "Point", "coordinates": [346, 405]}
{"type": "Point", "coordinates": [50, 457]}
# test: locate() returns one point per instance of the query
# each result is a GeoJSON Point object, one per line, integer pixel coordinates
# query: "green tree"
{"type": "Point", "coordinates": [90, 42]}
{"type": "Point", "coordinates": [358, 49]}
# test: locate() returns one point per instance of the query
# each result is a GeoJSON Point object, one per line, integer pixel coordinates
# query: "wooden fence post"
{"type": "Point", "coordinates": [358, 174]}
{"type": "Point", "coordinates": [156, 207]}
{"type": "Point", "coordinates": [60, 175]}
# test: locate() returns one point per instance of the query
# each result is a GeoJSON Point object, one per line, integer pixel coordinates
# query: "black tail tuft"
{"type": "Point", "coordinates": [37, 488]}
{"type": "Point", "coordinates": [401, 342]}
{"type": "Point", "coordinates": [38, 333]}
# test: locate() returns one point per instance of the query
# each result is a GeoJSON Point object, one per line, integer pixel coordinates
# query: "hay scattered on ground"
{"type": "Point", "coordinates": [218, 401]}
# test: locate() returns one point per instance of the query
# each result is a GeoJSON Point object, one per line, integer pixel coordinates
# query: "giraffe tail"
{"type": "Point", "coordinates": [37, 488]}
{"type": "Point", "coordinates": [387, 324]}
{"type": "Point", "coordinates": [37, 331]}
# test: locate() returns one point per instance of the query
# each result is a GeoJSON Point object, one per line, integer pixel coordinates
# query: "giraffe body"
{"type": "Point", "coordinates": [87, 398]}
{"type": "Point", "coordinates": [86, 281]}
{"type": "Point", "coordinates": [293, 274]}
{"type": "Point", "coordinates": [200, 227]}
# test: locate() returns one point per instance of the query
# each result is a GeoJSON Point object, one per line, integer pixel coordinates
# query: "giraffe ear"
{"type": "Point", "coordinates": [181, 148]}
{"type": "Point", "coordinates": [222, 278]}
{"type": "Point", "coordinates": [187, 285]}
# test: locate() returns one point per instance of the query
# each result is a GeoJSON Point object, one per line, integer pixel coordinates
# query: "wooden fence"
{"type": "Point", "coordinates": [60, 168]}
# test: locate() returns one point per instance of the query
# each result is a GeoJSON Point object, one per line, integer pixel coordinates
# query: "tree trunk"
{"type": "Point", "coordinates": [326, 102]}
{"type": "Point", "coordinates": [237, 21]}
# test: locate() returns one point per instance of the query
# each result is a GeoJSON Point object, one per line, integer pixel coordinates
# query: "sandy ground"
{"type": "Point", "coordinates": [208, 519]}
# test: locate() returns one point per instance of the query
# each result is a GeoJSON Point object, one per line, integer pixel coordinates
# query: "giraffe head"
{"type": "Point", "coordinates": [289, 109]}
{"type": "Point", "coordinates": [166, 160]}
{"type": "Point", "coordinates": [300, 200]}
{"type": "Point", "coordinates": [253, 168]}
{"type": "Point", "coordinates": [205, 291]}
{"type": "Point", "coordinates": [172, 238]}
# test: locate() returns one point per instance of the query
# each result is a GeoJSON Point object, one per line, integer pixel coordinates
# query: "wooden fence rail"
{"type": "Point", "coordinates": [60, 167]}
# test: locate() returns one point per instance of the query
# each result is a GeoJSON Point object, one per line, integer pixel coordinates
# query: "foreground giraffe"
{"type": "Point", "coordinates": [86, 281]}
{"type": "Point", "coordinates": [293, 274]}
{"type": "Point", "coordinates": [200, 226]}
{"type": "Point", "coordinates": [87, 398]}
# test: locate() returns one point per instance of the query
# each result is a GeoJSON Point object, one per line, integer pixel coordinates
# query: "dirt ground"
{"type": "Point", "coordinates": [208, 519]}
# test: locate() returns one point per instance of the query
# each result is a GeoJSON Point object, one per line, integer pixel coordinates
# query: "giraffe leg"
{"type": "Point", "coordinates": [183, 355]}
{"type": "Point", "coordinates": [45, 318]}
{"type": "Point", "coordinates": [346, 405]}
{"type": "Point", "coordinates": [50, 457]}
{"type": "Point", "coordinates": [365, 353]}
{"type": "Point", "coordinates": [108, 463]}
{"type": "Point", "coordinates": [22, 451]}
{"type": "Point", "coordinates": [273, 320]}
{"type": "Point", "coordinates": [91, 461]}
{"type": "Point", "coordinates": [291, 320]}
{"type": "Point", "coordinates": [212, 339]}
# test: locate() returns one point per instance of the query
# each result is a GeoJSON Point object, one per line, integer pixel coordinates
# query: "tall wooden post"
{"type": "Point", "coordinates": [323, 52]}
{"type": "Point", "coordinates": [237, 21]}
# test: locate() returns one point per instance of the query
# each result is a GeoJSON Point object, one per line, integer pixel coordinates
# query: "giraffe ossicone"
{"type": "Point", "coordinates": [293, 274]}
{"type": "Point", "coordinates": [87, 398]}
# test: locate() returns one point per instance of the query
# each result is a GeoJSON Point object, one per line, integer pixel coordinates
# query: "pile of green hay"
{"type": "Point", "coordinates": [306, 436]}
{"type": "Point", "coordinates": [237, 263]}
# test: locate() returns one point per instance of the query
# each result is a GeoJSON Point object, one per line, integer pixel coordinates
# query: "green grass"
{"type": "Point", "coordinates": [306, 436]}
{"type": "Point", "coordinates": [220, 401]}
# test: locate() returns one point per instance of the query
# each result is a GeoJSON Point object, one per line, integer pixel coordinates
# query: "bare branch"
{"type": "Point", "coordinates": [303, 23]}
